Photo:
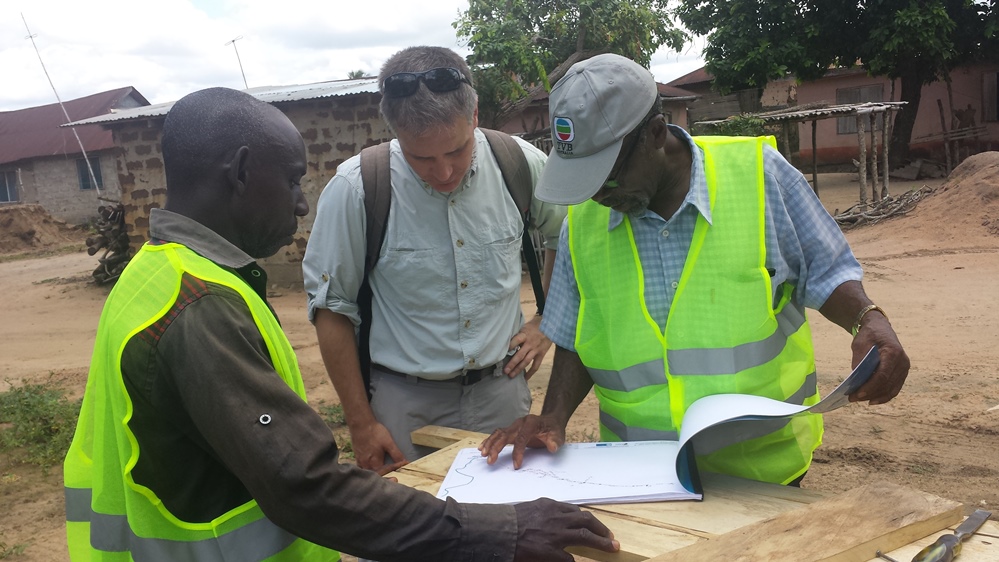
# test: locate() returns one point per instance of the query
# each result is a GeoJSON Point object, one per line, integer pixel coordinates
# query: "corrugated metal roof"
{"type": "Point", "coordinates": [35, 131]}
{"type": "Point", "coordinates": [675, 94]}
{"type": "Point", "coordinates": [821, 111]}
{"type": "Point", "coordinates": [269, 94]}
{"type": "Point", "coordinates": [696, 77]}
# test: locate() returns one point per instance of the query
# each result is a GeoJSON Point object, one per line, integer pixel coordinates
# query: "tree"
{"type": "Point", "coordinates": [520, 47]}
{"type": "Point", "coordinates": [355, 74]}
{"type": "Point", "coordinates": [916, 41]}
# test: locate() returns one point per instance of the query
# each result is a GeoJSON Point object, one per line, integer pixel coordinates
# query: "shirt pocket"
{"type": "Point", "coordinates": [501, 266]}
{"type": "Point", "coordinates": [419, 277]}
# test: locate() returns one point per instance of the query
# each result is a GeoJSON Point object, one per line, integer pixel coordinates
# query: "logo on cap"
{"type": "Point", "coordinates": [564, 131]}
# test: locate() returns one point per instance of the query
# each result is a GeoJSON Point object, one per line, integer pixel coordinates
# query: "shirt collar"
{"type": "Point", "coordinates": [171, 227]}
{"type": "Point", "coordinates": [697, 193]}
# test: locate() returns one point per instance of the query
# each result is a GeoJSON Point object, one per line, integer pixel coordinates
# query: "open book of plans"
{"type": "Point", "coordinates": [629, 471]}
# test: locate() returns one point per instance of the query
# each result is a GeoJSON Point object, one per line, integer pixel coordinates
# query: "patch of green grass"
{"type": "Point", "coordinates": [15, 550]}
{"type": "Point", "coordinates": [333, 415]}
{"type": "Point", "coordinates": [335, 419]}
{"type": "Point", "coordinates": [39, 421]}
{"type": "Point", "coordinates": [923, 469]}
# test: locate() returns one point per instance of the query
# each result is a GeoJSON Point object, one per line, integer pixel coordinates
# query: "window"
{"type": "Point", "coordinates": [990, 98]}
{"type": "Point", "coordinates": [8, 186]}
{"type": "Point", "coordinates": [84, 173]}
{"type": "Point", "coordinates": [861, 94]}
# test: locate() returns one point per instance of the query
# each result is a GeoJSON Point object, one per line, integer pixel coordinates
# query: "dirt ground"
{"type": "Point", "coordinates": [935, 271]}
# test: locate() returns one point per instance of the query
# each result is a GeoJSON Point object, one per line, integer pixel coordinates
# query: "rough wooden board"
{"type": "Point", "coordinates": [438, 437]}
{"type": "Point", "coordinates": [439, 462]}
{"type": "Point", "coordinates": [638, 540]}
{"type": "Point", "coordinates": [724, 482]}
{"type": "Point", "coordinates": [849, 527]}
{"type": "Point", "coordinates": [417, 481]}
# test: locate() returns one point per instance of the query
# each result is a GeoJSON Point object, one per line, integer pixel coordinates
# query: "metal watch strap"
{"type": "Point", "coordinates": [863, 312]}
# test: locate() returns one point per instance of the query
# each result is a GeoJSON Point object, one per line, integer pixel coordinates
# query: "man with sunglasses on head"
{"type": "Point", "coordinates": [684, 270]}
{"type": "Point", "coordinates": [448, 342]}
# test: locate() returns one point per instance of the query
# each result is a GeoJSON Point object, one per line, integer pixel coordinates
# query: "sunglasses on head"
{"type": "Point", "coordinates": [437, 80]}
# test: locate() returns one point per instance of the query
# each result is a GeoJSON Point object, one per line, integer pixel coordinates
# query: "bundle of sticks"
{"type": "Point", "coordinates": [887, 207]}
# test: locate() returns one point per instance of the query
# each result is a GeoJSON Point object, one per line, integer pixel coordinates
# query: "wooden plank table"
{"type": "Point", "coordinates": [731, 506]}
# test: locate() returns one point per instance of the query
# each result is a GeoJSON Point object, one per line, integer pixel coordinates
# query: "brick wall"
{"type": "Point", "coordinates": [334, 129]}
{"type": "Point", "coordinates": [54, 184]}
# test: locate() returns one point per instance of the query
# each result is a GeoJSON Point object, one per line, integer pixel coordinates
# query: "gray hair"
{"type": "Point", "coordinates": [426, 110]}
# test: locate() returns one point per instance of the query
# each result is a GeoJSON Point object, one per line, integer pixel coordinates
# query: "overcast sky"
{"type": "Point", "coordinates": [168, 48]}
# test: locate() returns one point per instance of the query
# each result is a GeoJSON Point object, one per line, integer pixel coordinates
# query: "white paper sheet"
{"type": "Point", "coordinates": [579, 473]}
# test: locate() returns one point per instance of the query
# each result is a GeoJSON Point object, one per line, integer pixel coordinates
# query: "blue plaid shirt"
{"type": "Point", "coordinates": [805, 246]}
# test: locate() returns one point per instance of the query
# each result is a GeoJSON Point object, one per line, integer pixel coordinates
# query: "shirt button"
{"type": "Point", "coordinates": [453, 202]}
{"type": "Point", "coordinates": [471, 361]}
{"type": "Point", "coordinates": [326, 277]}
{"type": "Point", "coordinates": [468, 323]}
{"type": "Point", "coordinates": [674, 284]}
{"type": "Point", "coordinates": [464, 284]}
{"type": "Point", "coordinates": [460, 242]}
{"type": "Point", "coordinates": [665, 233]}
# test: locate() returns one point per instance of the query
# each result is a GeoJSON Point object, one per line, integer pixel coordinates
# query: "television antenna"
{"type": "Point", "coordinates": [233, 43]}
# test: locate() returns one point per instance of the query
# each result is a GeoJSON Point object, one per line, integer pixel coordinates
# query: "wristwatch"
{"type": "Point", "coordinates": [863, 312]}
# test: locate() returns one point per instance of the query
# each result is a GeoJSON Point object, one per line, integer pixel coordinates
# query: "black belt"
{"type": "Point", "coordinates": [470, 376]}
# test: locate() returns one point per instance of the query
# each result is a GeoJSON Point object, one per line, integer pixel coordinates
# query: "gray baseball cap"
{"type": "Point", "coordinates": [592, 108]}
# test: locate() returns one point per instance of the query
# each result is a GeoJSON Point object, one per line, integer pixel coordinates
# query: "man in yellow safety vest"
{"type": "Point", "coordinates": [684, 270]}
{"type": "Point", "coordinates": [195, 441]}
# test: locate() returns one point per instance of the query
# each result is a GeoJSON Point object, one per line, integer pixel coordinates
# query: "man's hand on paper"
{"type": "Point", "coordinates": [545, 527]}
{"type": "Point", "coordinates": [529, 431]}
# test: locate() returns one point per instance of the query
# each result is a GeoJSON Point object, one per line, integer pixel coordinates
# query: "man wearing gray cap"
{"type": "Point", "coordinates": [684, 270]}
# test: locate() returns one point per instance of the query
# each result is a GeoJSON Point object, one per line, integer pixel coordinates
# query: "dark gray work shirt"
{"type": "Point", "coordinates": [200, 378]}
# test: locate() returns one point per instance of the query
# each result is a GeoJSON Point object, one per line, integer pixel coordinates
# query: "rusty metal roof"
{"type": "Point", "coordinates": [35, 131]}
{"type": "Point", "coordinates": [269, 94]}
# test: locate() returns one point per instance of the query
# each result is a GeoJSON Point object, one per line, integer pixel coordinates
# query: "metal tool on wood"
{"type": "Point", "coordinates": [885, 556]}
{"type": "Point", "coordinates": [945, 548]}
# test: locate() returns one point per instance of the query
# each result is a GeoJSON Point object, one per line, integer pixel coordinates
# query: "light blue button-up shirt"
{"type": "Point", "coordinates": [804, 245]}
{"type": "Point", "coordinates": [446, 288]}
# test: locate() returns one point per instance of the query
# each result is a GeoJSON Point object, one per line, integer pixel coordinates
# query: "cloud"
{"type": "Point", "coordinates": [168, 48]}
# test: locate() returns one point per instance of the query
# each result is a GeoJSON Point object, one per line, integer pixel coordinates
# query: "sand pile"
{"type": "Point", "coordinates": [24, 228]}
{"type": "Point", "coordinates": [969, 200]}
{"type": "Point", "coordinates": [962, 212]}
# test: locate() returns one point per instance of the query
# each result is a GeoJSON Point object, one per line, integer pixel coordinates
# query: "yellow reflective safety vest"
{"type": "Point", "coordinates": [723, 333]}
{"type": "Point", "coordinates": [109, 517]}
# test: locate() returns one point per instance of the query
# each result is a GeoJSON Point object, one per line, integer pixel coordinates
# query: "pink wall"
{"type": "Point", "coordinates": [833, 148]}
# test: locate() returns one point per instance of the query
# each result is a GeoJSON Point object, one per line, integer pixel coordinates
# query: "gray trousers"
{"type": "Point", "coordinates": [404, 404]}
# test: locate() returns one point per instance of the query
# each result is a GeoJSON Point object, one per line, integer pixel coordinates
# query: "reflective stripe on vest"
{"type": "Point", "coordinates": [716, 361]}
{"type": "Point", "coordinates": [110, 516]}
{"type": "Point", "coordinates": [253, 542]}
{"type": "Point", "coordinates": [723, 333]}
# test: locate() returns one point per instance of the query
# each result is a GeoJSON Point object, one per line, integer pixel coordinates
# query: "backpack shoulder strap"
{"type": "Point", "coordinates": [517, 177]}
{"type": "Point", "coordinates": [513, 166]}
{"type": "Point", "coordinates": [377, 180]}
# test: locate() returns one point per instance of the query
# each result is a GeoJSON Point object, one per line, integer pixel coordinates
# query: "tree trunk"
{"type": "Point", "coordinates": [912, 90]}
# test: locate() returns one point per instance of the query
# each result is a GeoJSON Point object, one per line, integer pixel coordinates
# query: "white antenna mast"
{"type": "Point", "coordinates": [93, 179]}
